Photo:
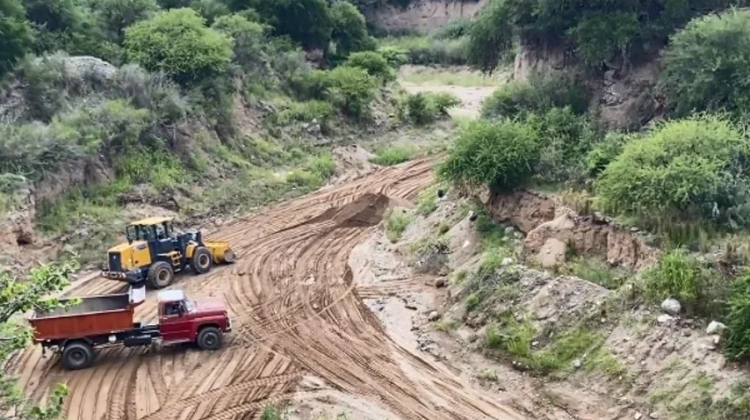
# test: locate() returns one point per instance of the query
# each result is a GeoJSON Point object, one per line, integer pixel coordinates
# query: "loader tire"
{"type": "Point", "coordinates": [77, 355]}
{"type": "Point", "coordinates": [201, 261]}
{"type": "Point", "coordinates": [160, 275]}
{"type": "Point", "coordinates": [209, 338]}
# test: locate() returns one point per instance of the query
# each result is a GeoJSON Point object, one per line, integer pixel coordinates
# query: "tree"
{"type": "Point", "coordinates": [707, 65]}
{"type": "Point", "coordinates": [178, 43]}
{"type": "Point", "coordinates": [16, 34]}
{"type": "Point", "coordinates": [349, 29]}
{"type": "Point", "coordinates": [116, 15]}
{"type": "Point", "coordinates": [248, 37]}
{"type": "Point", "coordinates": [17, 297]}
{"type": "Point", "coordinates": [305, 21]}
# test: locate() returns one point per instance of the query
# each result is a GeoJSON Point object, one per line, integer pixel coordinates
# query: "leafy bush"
{"type": "Point", "coordinates": [210, 9]}
{"type": "Point", "coordinates": [705, 66]}
{"type": "Point", "coordinates": [352, 89]}
{"type": "Point", "coordinates": [349, 29]}
{"type": "Point", "coordinates": [17, 35]}
{"type": "Point", "coordinates": [540, 93]}
{"type": "Point", "coordinates": [491, 36]}
{"type": "Point", "coordinates": [426, 51]}
{"type": "Point", "coordinates": [685, 170]}
{"type": "Point", "coordinates": [392, 156]}
{"type": "Point", "coordinates": [373, 63]}
{"type": "Point", "coordinates": [425, 107]}
{"type": "Point", "coordinates": [396, 222]}
{"type": "Point", "coordinates": [419, 108]}
{"type": "Point", "coordinates": [606, 151]}
{"type": "Point", "coordinates": [564, 138]}
{"type": "Point", "coordinates": [680, 276]}
{"type": "Point", "coordinates": [500, 155]}
{"type": "Point", "coordinates": [156, 92]}
{"type": "Point", "coordinates": [248, 38]}
{"type": "Point", "coordinates": [395, 56]}
{"type": "Point", "coordinates": [601, 33]}
{"type": "Point", "coordinates": [178, 43]}
{"type": "Point", "coordinates": [738, 319]}
{"type": "Point", "coordinates": [454, 29]}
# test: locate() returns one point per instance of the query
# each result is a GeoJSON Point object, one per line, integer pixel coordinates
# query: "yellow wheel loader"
{"type": "Point", "coordinates": [154, 252]}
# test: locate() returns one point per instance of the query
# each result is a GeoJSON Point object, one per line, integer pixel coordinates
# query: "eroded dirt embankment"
{"type": "Point", "coordinates": [548, 223]}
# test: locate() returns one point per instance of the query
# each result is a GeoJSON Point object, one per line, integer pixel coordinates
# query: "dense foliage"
{"type": "Point", "coordinates": [17, 297]}
{"type": "Point", "coordinates": [597, 30]}
{"type": "Point", "coordinates": [707, 65]}
{"type": "Point", "coordinates": [500, 155]}
{"type": "Point", "coordinates": [178, 43]}
{"type": "Point", "coordinates": [738, 318]}
{"type": "Point", "coordinates": [16, 34]}
{"type": "Point", "coordinates": [685, 170]}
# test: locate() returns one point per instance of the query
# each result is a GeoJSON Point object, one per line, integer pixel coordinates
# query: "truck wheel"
{"type": "Point", "coordinates": [77, 355]}
{"type": "Point", "coordinates": [210, 338]}
{"type": "Point", "coordinates": [160, 275]}
{"type": "Point", "coordinates": [201, 261]}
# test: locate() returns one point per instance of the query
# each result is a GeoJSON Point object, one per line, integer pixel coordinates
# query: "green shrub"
{"type": "Point", "coordinates": [426, 51]}
{"type": "Point", "coordinates": [393, 156]}
{"type": "Point", "coordinates": [349, 29]}
{"type": "Point", "coordinates": [443, 101]}
{"type": "Point", "coordinates": [705, 65]}
{"type": "Point", "coordinates": [352, 90]}
{"type": "Point", "coordinates": [454, 29]}
{"type": "Point", "coordinates": [499, 155]}
{"type": "Point", "coordinates": [737, 335]}
{"type": "Point", "coordinates": [17, 34]}
{"type": "Point", "coordinates": [306, 112]}
{"type": "Point", "coordinates": [178, 43]}
{"type": "Point", "coordinates": [419, 108]}
{"type": "Point", "coordinates": [373, 63]}
{"type": "Point", "coordinates": [210, 9]}
{"type": "Point", "coordinates": [540, 93]}
{"type": "Point", "coordinates": [248, 38]}
{"type": "Point", "coordinates": [395, 56]}
{"type": "Point", "coordinates": [685, 170]}
{"type": "Point", "coordinates": [599, 34]}
{"type": "Point", "coordinates": [681, 276]}
{"type": "Point", "coordinates": [564, 138]}
{"type": "Point", "coordinates": [396, 222]}
{"type": "Point", "coordinates": [606, 151]}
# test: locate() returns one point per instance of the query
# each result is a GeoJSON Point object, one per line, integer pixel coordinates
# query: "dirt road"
{"type": "Point", "coordinates": [297, 312]}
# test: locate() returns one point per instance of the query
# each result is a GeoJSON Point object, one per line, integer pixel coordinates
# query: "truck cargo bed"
{"type": "Point", "coordinates": [87, 305]}
{"type": "Point", "coordinates": [95, 315]}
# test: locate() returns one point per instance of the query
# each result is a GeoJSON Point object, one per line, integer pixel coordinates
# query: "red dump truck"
{"type": "Point", "coordinates": [75, 330]}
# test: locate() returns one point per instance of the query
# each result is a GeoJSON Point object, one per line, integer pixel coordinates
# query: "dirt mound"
{"type": "Point", "coordinates": [547, 224]}
{"type": "Point", "coordinates": [367, 210]}
{"type": "Point", "coordinates": [352, 162]}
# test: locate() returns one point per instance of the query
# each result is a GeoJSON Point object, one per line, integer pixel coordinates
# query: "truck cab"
{"type": "Point", "coordinates": [183, 320]}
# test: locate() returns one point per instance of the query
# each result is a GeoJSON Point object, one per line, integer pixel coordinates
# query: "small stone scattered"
{"type": "Point", "coordinates": [472, 216]}
{"type": "Point", "coordinates": [439, 283]}
{"type": "Point", "coordinates": [671, 306]}
{"type": "Point", "coordinates": [434, 316]}
{"type": "Point", "coordinates": [577, 363]}
{"type": "Point", "coordinates": [410, 306]}
{"type": "Point", "coordinates": [664, 319]}
{"type": "Point", "coordinates": [638, 416]}
{"type": "Point", "coordinates": [715, 327]}
{"type": "Point", "coordinates": [315, 306]}
{"type": "Point", "coordinates": [506, 262]}
{"type": "Point", "coordinates": [654, 415]}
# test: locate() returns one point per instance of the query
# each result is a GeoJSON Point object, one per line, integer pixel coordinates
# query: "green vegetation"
{"type": "Point", "coordinates": [500, 155]}
{"type": "Point", "coordinates": [396, 222]}
{"type": "Point", "coordinates": [597, 31]}
{"type": "Point", "coordinates": [682, 277]}
{"type": "Point", "coordinates": [17, 35]}
{"type": "Point", "coordinates": [424, 108]}
{"type": "Point", "coordinates": [738, 318]}
{"type": "Point", "coordinates": [16, 298]}
{"type": "Point", "coordinates": [424, 50]}
{"type": "Point", "coordinates": [393, 155]}
{"type": "Point", "coordinates": [687, 171]}
{"type": "Point", "coordinates": [373, 63]}
{"type": "Point", "coordinates": [705, 65]}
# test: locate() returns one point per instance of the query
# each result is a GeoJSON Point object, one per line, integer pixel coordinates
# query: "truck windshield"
{"type": "Point", "coordinates": [189, 305]}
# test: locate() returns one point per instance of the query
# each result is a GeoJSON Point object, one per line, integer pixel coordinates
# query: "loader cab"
{"type": "Point", "coordinates": [156, 231]}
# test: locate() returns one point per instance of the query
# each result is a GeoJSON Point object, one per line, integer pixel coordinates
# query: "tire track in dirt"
{"type": "Point", "coordinates": [295, 309]}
